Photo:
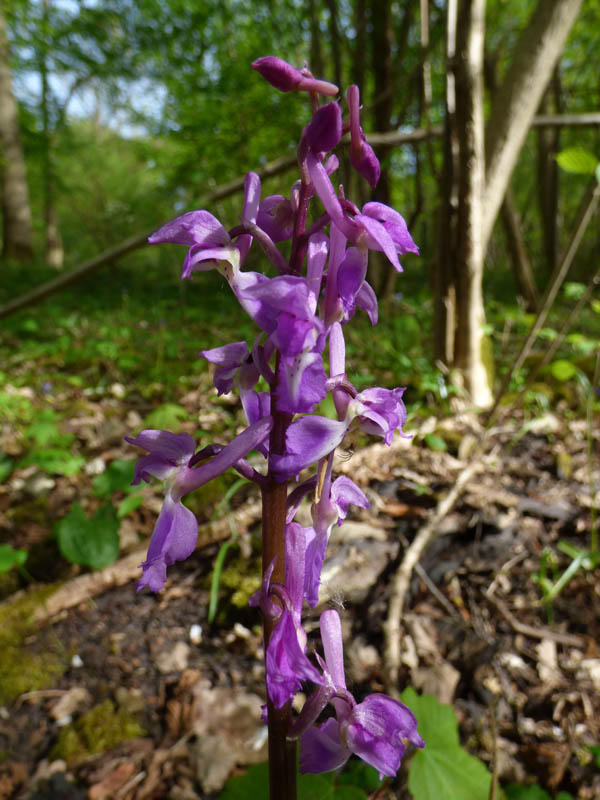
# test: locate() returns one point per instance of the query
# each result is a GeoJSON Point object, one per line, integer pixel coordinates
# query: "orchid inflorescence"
{"type": "Point", "coordinates": [301, 313]}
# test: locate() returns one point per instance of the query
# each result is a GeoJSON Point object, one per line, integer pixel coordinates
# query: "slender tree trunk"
{"type": "Point", "coordinates": [53, 247]}
{"type": "Point", "coordinates": [521, 264]}
{"type": "Point", "coordinates": [445, 265]}
{"type": "Point", "coordinates": [17, 240]}
{"type": "Point", "coordinates": [548, 145]}
{"type": "Point", "coordinates": [316, 55]}
{"type": "Point", "coordinates": [334, 34]}
{"type": "Point", "coordinates": [536, 55]}
{"type": "Point", "coordinates": [472, 356]}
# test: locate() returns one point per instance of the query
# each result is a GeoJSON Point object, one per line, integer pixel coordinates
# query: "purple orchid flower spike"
{"type": "Point", "coordinates": [286, 78]}
{"type": "Point", "coordinates": [376, 730]}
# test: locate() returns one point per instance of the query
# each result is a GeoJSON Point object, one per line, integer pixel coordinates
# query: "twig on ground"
{"type": "Point", "coordinates": [401, 580]}
{"type": "Point", "coordinates": [531, 631]}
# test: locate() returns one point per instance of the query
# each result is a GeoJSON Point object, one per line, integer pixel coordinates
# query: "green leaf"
{"type": "Point", "coordinates": [562, 369]}
{"type": "Point", "coordinates": [316, 787]}
{"type": "Point", "coordinates": [358, 773]}
{"type": "Point", "coordinates": [55, 460]}
{"type": "Point", "coordinates": [116, 477]}
{"type": "Point", "coordinates": [434, 442]}
{"type": "Point", "coordinates": [129, 504]}
{"type": "Point", "coordinates": [577, 160]}
{"type": "Point", "coordinates": [443, 768]}
{"type": "Point", "coordinates": [166, 417]}
{"type": "Point", "coordinates": [9, 557]}
{"type": "Point", "coordinates": [595, 751]}
{"type": "Point", "coordinates": [91, 542]}
{"type": "Point", "coordinates": [254, 783]}
{"type": "Point", "coordinates": [534, 792]}
{"type": "Point", "coordinates": [6, 467]}
{"type": "Point", "coordinates": [45, 431]}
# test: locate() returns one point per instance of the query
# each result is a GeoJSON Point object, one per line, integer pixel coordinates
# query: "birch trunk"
{"type": "Point", "coordinates": [471, 350]}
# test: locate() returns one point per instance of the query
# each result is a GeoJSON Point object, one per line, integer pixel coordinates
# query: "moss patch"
{"type": "Point", "coordinates": [100, 729]}
{"type": "Point", "coordinates": [22, 669]}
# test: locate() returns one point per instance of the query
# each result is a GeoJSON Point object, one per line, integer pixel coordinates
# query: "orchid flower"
{"type": "Point", "coordinates": [171, 458]}
{"type": "Point", "coordinates": [376, 729]}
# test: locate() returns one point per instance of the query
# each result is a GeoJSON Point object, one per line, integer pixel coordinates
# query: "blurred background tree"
{"type": "Point", "coordinates": [131, 111]}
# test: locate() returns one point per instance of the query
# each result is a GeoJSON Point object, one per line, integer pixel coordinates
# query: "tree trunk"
{"type": "Point", "coordinates": [53, 247]}
{"type": "Point", "coordinates": [536, 55]}
{"type": "Point", "coordinates": [445, 264]}
{"type": "Point", "coordinates": [521, 264]}
{"type": "Point", "coordinates": [472, 356]}
{"type": "Point", "coordinates": [548, 145]}
{"type": "Point", "coordinates": [17, 240]}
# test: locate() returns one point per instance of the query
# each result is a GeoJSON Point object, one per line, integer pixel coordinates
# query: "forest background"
{"type": "Point", "coordinates": [116, 116]}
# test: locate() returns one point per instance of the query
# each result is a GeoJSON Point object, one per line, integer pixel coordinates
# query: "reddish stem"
{"type": "Point", "coordinates": [282, 753]}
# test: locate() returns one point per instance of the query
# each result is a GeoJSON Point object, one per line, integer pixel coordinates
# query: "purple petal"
{"type": "Point", "coordinates": [362, 157]}
{"type": "Point", "coordinates": [189, 479]}
{"type": "Point", "coordinates": [366, 164]}
{"type": "Point", "coordinates": [376, 730]}
{"type": "Point", "coordinates": [321, 749]}
{"type": "Point", "coordinates": [229, 355]}
{"type": "Point", "coordinates": [367, 300]}
{"type": "Point", "coordinates": [301, 383]}
{"type": "Point", "coordinates": [324, 188]}
{"type": "Point", "coordinates": [193, 227]}
{"type": "Point", "coordinates": [308, 439]}
{"type": "Point", "coordinates": [377, 238]}
{"type": "Point", "coordinates": [173, 539]}
{"type": "Point", "coordinates": [276, 217]}
{"type": "Point", "coordinates": [295, 561]}
{"type": "Point", "coordinates": [395, 225]}
{"type": "Point", "coordinates": [278, 73]}
{"type": "Point", "coordinates": [350, 277]}
{"type": "Point", "coordinates": [201, 258]}
{"type": "Point", "coordinates": [315, 556]}
{"type": "Point", "coordinates": [331, 635]}
{"type": "Point", "coordinates": [167, 450]}
{"type": "Point", "coordinates": [286, 664]}
{"type": "Point", "coordinates": [318, 246]}
{"type": "Point", "coordinates": [344, 492]}
{"type": "Point", "coordinates": [324, 130]}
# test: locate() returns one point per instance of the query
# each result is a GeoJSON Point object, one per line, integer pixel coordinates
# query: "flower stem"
{"type": "Point", "coordinates": [282, 753]}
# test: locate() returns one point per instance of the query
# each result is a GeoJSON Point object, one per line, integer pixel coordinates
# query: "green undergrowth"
{"type": "Point", "coordinates": [22, 668]}
{"type": "Point", "coordinates": [100, 729]}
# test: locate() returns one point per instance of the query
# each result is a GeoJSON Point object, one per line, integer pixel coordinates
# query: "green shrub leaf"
{"type": "Point", "coordinates": [577, 160]}
{"type": "Point", "coordinates": [116, 477]}
{"type": "Point", "coordinates": [562, 369]}
{"type": "Point", "coordinates": [91, 542]}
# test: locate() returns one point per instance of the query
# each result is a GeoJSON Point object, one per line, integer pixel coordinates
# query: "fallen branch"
{"type": "Point", "coordinates": [429, 531]}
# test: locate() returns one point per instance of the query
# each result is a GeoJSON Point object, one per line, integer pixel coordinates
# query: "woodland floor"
{"type": "Point", "coordinates": [526, 690]}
